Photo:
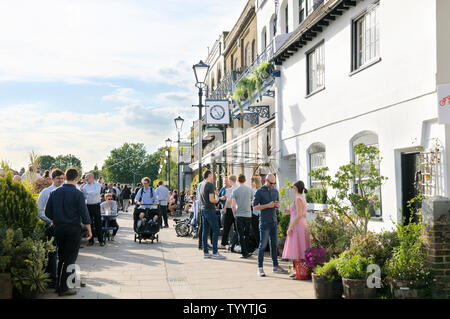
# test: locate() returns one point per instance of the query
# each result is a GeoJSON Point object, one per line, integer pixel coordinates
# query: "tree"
{"type": "Point", "coordinates": [64, 162]}
{"type": "Point", "coordinates": [126, 163]}
{"type": "Point", "coordinates": [173, 166]}
{"type": "Point", "coordinates": [46, 161]}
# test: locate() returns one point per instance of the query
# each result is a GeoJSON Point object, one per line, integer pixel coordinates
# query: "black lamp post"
{"type": "Point", "coordinates": [179, 125]}
{"type": "Point", "coordinates": [168, 145]}
{"type": "Point", "coordinates": [200, 71]}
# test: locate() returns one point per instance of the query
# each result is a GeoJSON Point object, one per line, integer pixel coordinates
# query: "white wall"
{"type": "Point", "coordinates": [393, 98]}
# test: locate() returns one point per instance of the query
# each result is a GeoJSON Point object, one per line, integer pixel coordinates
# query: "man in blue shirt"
{"type": "Point", "coordinates": [66, 208]}
{"type": "Point", "coordinates": [267, 199]}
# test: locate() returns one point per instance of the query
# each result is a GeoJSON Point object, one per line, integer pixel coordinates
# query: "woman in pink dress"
{"type": "Point", "coordinates": [298, 238]}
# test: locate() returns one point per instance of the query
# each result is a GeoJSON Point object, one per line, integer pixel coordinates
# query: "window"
{"type": "Point", "coordinates": [369, 139]}
{"type": "Point", "coordinates": [263, 40]}
{"type": "Point", "coordinates": [316, 161]}
{"type": "Point", "coordinates": [286, 18]}
{"type": "Point", "coordinates": [366, 38]}
{"type": "Point", "coordinates": [316, 69]}
{"type": "Point", "coordinates": [247, 55]}
{"type": "Point", "coordinates": [301, 12]}
{"type": "Point", "coordinates": [309, 7]}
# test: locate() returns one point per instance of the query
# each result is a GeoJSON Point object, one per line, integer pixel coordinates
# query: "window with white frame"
{"type": "Point", "coordinates": [301, 11]}
{"type": "Point", "coordinates": [366, 37]}
{"type": "Point", "coordinates": [316, 69]}
{"type": "Point", "coordinates": [309, 7]}
{"type": "Point", "coordinates": [316, 161]}
{"type": "Point", "coordinates": [286, 18]}
{"type": "Point", "coordinates": [369, 139]}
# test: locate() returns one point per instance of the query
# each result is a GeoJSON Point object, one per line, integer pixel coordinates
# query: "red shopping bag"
{"type": "Point", "coordinates": [302, 271]}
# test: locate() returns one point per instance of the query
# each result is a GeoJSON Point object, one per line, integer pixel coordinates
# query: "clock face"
{"type": "Point", "coordinates": [217, 112]}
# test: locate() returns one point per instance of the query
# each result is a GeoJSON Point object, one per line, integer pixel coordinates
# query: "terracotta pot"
{"type": "Point", "coordinates": [357, 289]}
{"type": "Point", "coordinates": [401, 290]}
{"type": "Point", "coordinates": [324, 289]}
{"type": "Point", "coordinates": [6, 288]}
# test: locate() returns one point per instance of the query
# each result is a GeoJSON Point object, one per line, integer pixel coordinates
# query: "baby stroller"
{"type": "Point", "coordinates": [146, 230]}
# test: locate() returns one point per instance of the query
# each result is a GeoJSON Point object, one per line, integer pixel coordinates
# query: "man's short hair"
{"type": "Point", "coordinates": [57, 172]}
{"type": "Point", "coordinates": [160, 183]}
{"type": "Point", "coordinates": [232, 178]}
{"type": "Point", "coordinates": [71, 174]}
{"type": "Point", "coordinates": [241, 178]}
{"type": "Point", "coordinates": [206, 174]}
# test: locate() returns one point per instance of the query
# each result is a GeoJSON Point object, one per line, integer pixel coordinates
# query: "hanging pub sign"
{"type": "Point", "coordinates": [444, 103]}
{"type": "Point", "coordinates": [217, 112]}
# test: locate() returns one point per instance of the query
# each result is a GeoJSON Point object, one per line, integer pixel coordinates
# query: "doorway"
{"type": "Point", "coordinates": [410, 169]}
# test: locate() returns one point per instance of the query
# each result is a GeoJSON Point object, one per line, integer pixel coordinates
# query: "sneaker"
{"type": "Point", "coordinates": [68, 292]}
{"type": "Point", "coordinates": [208, 255]}
{"type": "Point", "coordinates": [237, 249]}
{"type": "Point", "coordinates": [112, 238]}
{"type": "Point", "coordinates": [90, 244]}
{"type": "Point", "coordinates": [217, 256]}
{"type": "Point", "coordinates": [246, 256]}
{"type": "Point", "coordinates": [255, 252]}
{"type": "Point", "coordinates": [220, 246]}
{"type": "Point", "coordinates": [261, 272]}
{"type": "Point", "coordinates": [279, 270]}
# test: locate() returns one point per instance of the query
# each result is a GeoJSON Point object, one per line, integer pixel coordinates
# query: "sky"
{"type": "Point", "coordinates": [83, 77]}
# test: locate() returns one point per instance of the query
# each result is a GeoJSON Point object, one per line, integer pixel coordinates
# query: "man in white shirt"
{"type": "Point", "coordinates": [92, 192]}
{"type": "Point", "coordinates": [229, 218]}
{"type": "Point", "coordinates": [162, 197]}
{"type": "Point", "coordinates": [58, 180]}
{"type": "Point", "coordinates": [30, 176]}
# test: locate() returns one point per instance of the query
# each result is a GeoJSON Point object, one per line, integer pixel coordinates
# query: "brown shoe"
{"type": "Point", "coordinates": [68, 292]}
{"type": "Point", "coordinates": [90, 244]}
{"type": "Point", "coordinates": [102, 244]}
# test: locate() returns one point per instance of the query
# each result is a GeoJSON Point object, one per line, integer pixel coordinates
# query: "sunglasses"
{"type": "Point", "coordinates": [272, 183]}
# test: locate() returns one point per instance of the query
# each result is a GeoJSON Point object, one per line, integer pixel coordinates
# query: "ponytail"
{"type": "Point", "coordinates": [300, 187]}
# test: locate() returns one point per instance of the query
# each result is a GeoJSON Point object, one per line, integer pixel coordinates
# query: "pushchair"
{"type": "Point", "coordinates": [146, 231]}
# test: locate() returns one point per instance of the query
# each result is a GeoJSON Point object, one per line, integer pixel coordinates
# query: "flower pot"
{"type": "Point", "coordinates": [280, 246]}
{"type": "Point", "coordinates": [324, 289]}
{"type": "Point", "coordinates": [26, 293]}
{"type": "Point", "coordinates": [401, 290]}
{"type": "Point", "coordinates": [357, 289]}
{"type": "Point", "coordinates": [6, 288]}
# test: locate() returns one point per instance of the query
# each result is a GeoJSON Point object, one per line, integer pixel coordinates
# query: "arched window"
{"type": "Point", "coordinates": [273, 27]}
{"type": "Point", "coordinates": [219, 74]}
{"type": "Point", "coordinates": [236, 64]}
{"type": "Point", "coordinates": [212, 81]}
{"type": "Point", "coordinates": [253, 50]}
{"type": "Point", "coordinates": [247, 55]}
{"type": "Point", "coordinates": [370, 139]}
{"type": "Point", "coordinates": [263, 39]}
{"type": "Point", "coordinates": [316, 156]}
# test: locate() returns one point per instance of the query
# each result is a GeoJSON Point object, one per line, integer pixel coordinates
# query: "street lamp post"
{"type": "Point", "coordinates": [200, 71]}
{"type": "Point", "coordinates": [179, 125]}
{"type": "Point", "coordinates": [168, 145]}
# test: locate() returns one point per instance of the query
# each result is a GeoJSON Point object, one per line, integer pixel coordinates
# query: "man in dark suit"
{"type": "Point", "coordinates": [67, 209]}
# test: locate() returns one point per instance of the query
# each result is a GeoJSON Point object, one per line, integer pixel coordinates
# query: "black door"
{"type": "Point", "coordinates": [409, 190]}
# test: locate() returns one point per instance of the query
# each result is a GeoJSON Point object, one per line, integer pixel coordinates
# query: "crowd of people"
{"type": "Point", "coordinates": [252, 214]}
{"type": "Point", "coordinates": [70, 205]}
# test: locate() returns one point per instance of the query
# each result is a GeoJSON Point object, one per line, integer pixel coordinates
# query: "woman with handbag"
{"type": "Point", "coordinates": [298, 238]}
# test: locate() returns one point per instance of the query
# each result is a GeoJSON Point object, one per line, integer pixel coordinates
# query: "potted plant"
{"type": "Point", "coordinates": [317, 199]}
{"type": "Point", "coordinates": [353, 270]}
{"type": "Point", "coordinates": [327, 281]}
{"type": "Point", "coordinates": [314, 257]}
{"type": "Point", "coordinates": [408, 271]}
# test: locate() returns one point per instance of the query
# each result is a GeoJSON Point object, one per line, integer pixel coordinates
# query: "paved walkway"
{"type": "Point", "coordinates": [174, 268]}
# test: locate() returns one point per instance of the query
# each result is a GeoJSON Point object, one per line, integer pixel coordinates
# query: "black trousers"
{"type": "Point", "coordinates": [68, 239]}
{"type": "Point", "coordinates": [255, 230]}
{"type": "Point", "coordinates": [52, 266]}
{"type": "Point", "coordinates": [243, 229]}
{"type": "Point", "coordinates": [227, 223]}
{"type": "Point", "coordinates": [163, 215]}
{"type": "Point", "coordinates": [113, 223]}
{"type": "Point", "coordinates": [96, 220]}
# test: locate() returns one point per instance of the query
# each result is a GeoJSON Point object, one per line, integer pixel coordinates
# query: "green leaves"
{"type": "Point", "coordinates": [353, 266]}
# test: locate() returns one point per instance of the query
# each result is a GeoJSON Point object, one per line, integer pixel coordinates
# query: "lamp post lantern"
{"type": "Point", "coordinates": [200, 72]}
{"type": "Point", "coordinates": [168, 145]}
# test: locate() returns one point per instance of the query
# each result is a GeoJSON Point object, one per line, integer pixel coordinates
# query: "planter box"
{"type": "Point", "coordinates": [357, 289]}
{"type": "Point", "coordinates": [400, 290]}
{"type": "Point", "coordinates": [324, 289]}
{"type": "Point", "coordinates": [6, 288]}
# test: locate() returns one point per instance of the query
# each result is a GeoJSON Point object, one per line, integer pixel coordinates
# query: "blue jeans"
{"type": "Point", "coordinates": [266, 232]}
{"type": "Point", "coordinates": [209, 219]}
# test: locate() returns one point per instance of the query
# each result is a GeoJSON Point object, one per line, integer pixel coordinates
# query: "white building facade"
{"type": "Point", "coordinates": [363, 71]}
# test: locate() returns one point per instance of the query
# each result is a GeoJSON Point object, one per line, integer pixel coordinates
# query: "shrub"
{"type": "Point", "coordinates": [328, 271]}
{"type": "Point", "coordinates": [18, 208]}
{"type": "Point", "coordinates": [353, 266]}
{"type": "Point", "coordinates": [315, 257]}
{"type": "Point", "coordinates": [317, 196]}
{"type": "Point", "coordinates": [283, 224]}
{"type": "Point", "coordinates": [330, 231]}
